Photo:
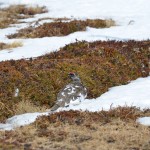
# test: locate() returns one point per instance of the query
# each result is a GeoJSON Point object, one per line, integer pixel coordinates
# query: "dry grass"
{"type": "Point", "coordinates": [59, 28]}
{"type": "Point", "coordinates": [6, 111]}
{"type": "Point", "coordinates": [13, 13]}
{"type": "Point", "coordinates": [54, 19]}
{"type": "Point", "coordinates": [11, 45]}
{"type": "Point", "coordinates": [25, 106]}
{"type": "Point", "coordinates": [87, 131]}
{"type": "Point", "coordinates": [27, 10]}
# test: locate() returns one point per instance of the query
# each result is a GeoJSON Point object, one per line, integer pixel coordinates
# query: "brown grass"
{"type": "Point", "coordinates": [13, 13]}
{"type": "Point", "coordinates": [11, 45]}
{"type": "Point", "coordinates": [76, 130]}
{"type": "Point", "coordinates": [27, 10]}
{"type": "Point", "coordinates": [25, 106]}
{"type": "Point", "coordinates": [6, 110]}
{"type": "Point", "coordinates": [71, 117]}
{"type": "Point", "coordinates": [54, 19]}
{"type": "Point", "coordinates": [60, 28]}
{"type": "Point", "coordinates": [100, 65]}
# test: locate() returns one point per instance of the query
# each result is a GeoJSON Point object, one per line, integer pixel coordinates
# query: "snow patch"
{"type": "Point", "coordinates": [20, 120]}
{"type": "Point", "coordinates": [132, 20]}
{"type": "Point", "coordinates": [144, 121]}
{"type": "Point", "coordinates": [136, 93]}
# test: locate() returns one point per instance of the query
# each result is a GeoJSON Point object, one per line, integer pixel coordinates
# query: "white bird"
{"type": "Point", "coordinates": [73, 93]}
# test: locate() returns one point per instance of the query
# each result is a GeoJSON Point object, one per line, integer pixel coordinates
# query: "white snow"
{"type": "Point", "coordinates": [136, 93]}
{"type": "Point", "coordinates": [144, 121]}
{"type": "Point", "coordinates": [132, 19]}
{"type": "Point", "coordinates": [20, 120]}
{"type": "Point", "coordinates": [16, 94]}
{"type": "Point", "coordinates": [133, 23]}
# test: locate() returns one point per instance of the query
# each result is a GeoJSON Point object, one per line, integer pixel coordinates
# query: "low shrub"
{"type": "Point", "coordinates": [100, 65]}
{"type": "Point", "coordinates": [71, 117]}
{"type": "Point", "coordinates": [60, 28]}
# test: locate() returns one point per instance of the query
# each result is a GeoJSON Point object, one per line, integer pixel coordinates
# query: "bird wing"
{"type": "Point", "coordinates": [72, 90]}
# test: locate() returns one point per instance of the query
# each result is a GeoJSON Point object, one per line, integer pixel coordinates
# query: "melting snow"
{"type": "Point", "coordinates": [136, 93]}
{"type": "Point", "coordinates": [144, 121]}
{"type": "Point", "coordinates": [132, 18]}
{"type": "Point", "coordinates": [20, 120]}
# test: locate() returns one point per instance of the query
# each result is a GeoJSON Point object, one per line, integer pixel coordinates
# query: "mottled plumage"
{"type": "Point", "coordinates": [71, 93]}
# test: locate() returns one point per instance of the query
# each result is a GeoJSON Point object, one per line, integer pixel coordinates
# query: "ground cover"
{"type": "Point", "coordinates": [100, 65]}
{"type": "Point", "coordinates": [60, 28]}
{"type": "Point", "coordinates": [115, 129]}
{"type": "Point", "coordinates": [13, 13]}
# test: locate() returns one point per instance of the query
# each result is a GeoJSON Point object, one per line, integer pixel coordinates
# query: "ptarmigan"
{"type": "Point", "coordinates": [73, 93]}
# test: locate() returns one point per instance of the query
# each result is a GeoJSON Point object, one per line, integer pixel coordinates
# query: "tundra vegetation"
{"type": "Point", "coordinates": [60, 28]}
{"type": "Point", "coordinates": [115, 129]}
{"type": "Point", "coordinates": [100, 64]}
{"type": "Point", "coordinates": [13, 13]}
{"type": "Point", "coordinates": [10, 45]}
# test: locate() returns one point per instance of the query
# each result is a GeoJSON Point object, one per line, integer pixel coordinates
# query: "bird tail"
{"type": "Point", "coordinates": [55, 107]}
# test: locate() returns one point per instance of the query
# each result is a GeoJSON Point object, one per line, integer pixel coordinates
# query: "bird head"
{"type": "Point", "coordinates": [73, 76]}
